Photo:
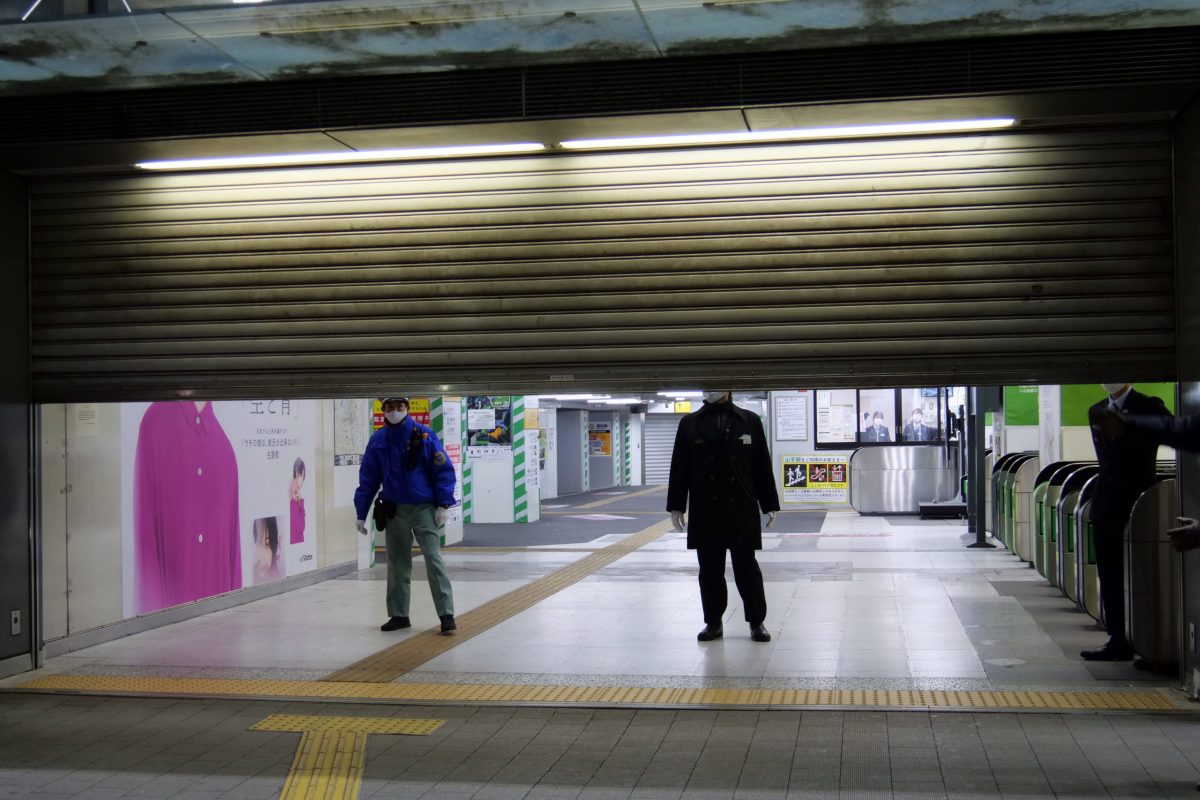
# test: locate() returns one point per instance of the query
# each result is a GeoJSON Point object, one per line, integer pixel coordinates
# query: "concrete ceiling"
{"type": "Point", "coordinates": [184, 42]}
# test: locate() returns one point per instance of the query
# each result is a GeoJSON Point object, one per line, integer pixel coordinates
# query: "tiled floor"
{"type": "Point", "coordinates": [855, 602]}
{"type": "Point", "coordinates": [865, 602]}
{"type": "Point", "coordinates": [106, 748]}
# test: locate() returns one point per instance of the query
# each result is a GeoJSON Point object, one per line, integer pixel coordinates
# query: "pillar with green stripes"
{"type": "Point", "coordinates": [437, 422]}
{"type": "Point", "coordinates": [626, 451]}
{"type": "Point", "coordinates": [520, 473]}
{"type": "Point", "coordinates": [467, 494]}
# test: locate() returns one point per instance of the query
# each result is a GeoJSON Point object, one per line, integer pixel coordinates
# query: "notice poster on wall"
{"type": "Point", "coordinates": [418, 409]}
{"type": "Point", "coordinates": [816, 479]}
{"type": "Point", "coordinates": [600, 438]}
{"type": "Point", "coordinates": [791, 417]}
{"type": "Point", "coordinates": [215, 497]}
{"type": "Point", "coordinates": [489, 426]}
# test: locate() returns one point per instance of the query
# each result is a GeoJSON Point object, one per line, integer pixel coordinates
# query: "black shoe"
{"type": "Point", "coordinates": [710, 632]}
{"type": "Point", "coordinates": [448, 624]}
{"type": "Point", "coordinates": [759, 633]}
{"type": "Point", "coordinates": [1113, 650]}
{"type": "Point", "coordinates": [395, 623]}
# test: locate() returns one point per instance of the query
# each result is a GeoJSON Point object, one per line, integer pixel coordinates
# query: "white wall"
{"type": "Point", "coordinates": [548, 477]}
{"type": "Point", "coordinates": [572, 444]}
{"type": "Point", "coordinates": [636, 440]}
{"type": "Point", "coordinates": [795, 447]}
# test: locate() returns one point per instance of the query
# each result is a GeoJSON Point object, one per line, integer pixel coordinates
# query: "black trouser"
{"type": "Point", "coordinates": [1110, 566]}
{"type": "Point", "coordinates": [714, 595]}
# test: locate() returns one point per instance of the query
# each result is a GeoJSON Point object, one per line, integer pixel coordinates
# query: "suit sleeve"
{"type": "Point", "coordinates": [1182, 433]}
{"type": "Point", "coordinates": [441, 471]}
{"type": "Point", "coordinates": [681, 479]}
{"type": "Point", "coordinates": [370, 477]}
{"type": "Point", "coordinates": [764, 472]}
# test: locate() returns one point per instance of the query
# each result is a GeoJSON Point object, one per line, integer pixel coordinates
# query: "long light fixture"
{"type": "Point", "coordinates": [341, 156]}
{"type": "Point", "coordinates": [837, 132]}
{"type": "Point", "coordinates": [687, 393]}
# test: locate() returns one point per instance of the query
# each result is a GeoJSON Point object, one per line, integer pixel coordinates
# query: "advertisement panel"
{"type": "Point", "coordinates": [600, 438]}
{"type": "Point", "coordinates": [489, 426]}
{"type": "Point", "coordinates": [816, 478]}
{"type": "Point", "coordinates": [215, 497]}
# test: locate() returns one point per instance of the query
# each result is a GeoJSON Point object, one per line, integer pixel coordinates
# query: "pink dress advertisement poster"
{"type": "Point", "coordinates": [215, 497]}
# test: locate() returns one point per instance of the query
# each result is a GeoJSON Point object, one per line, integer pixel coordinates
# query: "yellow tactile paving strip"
{"type": "Point", "coordinates": [385, 726]}
{"type": "Point", "coordinates": [659, 697]}
{"type": "Point", "coordinates": [389, 664]}
{"type": "Point", "coordinates": [619, 497]}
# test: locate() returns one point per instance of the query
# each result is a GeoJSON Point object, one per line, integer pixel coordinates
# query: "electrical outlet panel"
{"type": "Point", "coordinates": [15, 623]}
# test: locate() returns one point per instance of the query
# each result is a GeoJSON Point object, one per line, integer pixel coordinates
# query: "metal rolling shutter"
{"type": "Point", "coordinates": [660, 441]}
{"type": "Point", "coordinates": [1004, 258]}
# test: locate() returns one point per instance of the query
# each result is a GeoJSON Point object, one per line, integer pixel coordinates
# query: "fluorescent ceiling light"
{"type": "Point", "coordinates": [838, 132]}
{"type": "Point", "coordinates": [681, 394]}
{"type": "Point", "coordinates": [574, 396]}
{"type": "Point", "coordinates": [290, 159]}
{"type": "Point", "coordinates": [619, 401]}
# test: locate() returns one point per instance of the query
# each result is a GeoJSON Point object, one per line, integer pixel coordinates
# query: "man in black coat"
{"type": "Point", "coordinates": [1127, 468]}
{"type": "Point", "coordinates": [721, 474]}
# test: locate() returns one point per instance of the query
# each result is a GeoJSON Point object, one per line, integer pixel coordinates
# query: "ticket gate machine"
{"type": "Point", "coordinates": [1022, 476]}
{"type": "Point", "coordinates": [1153, 576]}
{"type": "Point", "coordinates": [999, 471]}
{"type": "Point", "coordinates": [1050, 519]}
{"type": "Point", "coordinates": [1037, 503]}
{"type": "Point", "coordinates": [1087, 580]}
{"type": "Point", "coordinates": [1068, 500]}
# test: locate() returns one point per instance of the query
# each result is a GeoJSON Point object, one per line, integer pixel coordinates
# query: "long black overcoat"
{"type": "Point", "coordinates": [721, 476]}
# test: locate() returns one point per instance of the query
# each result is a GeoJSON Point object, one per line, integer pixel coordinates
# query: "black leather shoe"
{"type": "Point", "coordinates": [710, 632]}
{"type": "Point", "coordinates": [1113, 650]}
{"type": "Point", "coordinates": [759, 633]}
{"type": "Point", "coordinates": [395, 623]}
{"type": "Point", "coordinates": [448, 625]}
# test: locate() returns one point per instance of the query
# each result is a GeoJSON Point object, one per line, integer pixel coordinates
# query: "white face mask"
{"type": "Point", "coordinates": [714, 397]}
{"type": "Point", "coordinates": [395, 417]}
{"type": "Point", "coordinates": [1112, 388]}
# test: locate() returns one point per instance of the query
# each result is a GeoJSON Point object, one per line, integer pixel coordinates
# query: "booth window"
{"type": "Point", "coordinates": [867, 417]}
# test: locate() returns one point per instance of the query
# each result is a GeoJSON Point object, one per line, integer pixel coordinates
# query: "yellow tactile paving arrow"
{"type": "Point", "coordinates": [332, 753]}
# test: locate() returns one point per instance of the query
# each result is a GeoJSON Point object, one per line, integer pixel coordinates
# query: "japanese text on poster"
{"type": "Point", "coordinates": [816, 479]}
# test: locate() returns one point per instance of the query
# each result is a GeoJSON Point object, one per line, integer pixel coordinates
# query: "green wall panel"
{"type": "Point", "coordinates": [1077, 398]}
{"type": "Point", "coordinates": [1020, 405]}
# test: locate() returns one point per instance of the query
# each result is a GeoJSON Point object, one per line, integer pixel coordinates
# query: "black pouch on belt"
{"type": "Point", "coordinates": [383, 511]}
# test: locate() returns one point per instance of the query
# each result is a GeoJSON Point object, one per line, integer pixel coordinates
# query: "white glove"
{"type": "Point", "coordinates": [771, 518]}
{"type": "Point", "coordinates": [440, 516]}
{"type": "Point", "coordinates": [677, 520]}
{"type": "Point", "coordinates": [361, 524]}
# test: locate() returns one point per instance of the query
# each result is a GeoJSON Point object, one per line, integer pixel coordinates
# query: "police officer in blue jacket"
{"type": "Point", "coordinates": [409, 462]}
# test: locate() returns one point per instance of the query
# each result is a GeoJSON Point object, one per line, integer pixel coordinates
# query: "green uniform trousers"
{"type": "Point", "coordinates": [415, 521]}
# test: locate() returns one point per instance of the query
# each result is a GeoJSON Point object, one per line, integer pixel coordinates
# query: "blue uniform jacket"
{"type": "Point", "coordinates": [431, 480]}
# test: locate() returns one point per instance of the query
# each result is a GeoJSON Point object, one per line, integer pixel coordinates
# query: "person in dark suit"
{"type": "Point", "coordinates": [915, 429]}
{"type": "Point", "coordinates": [877, 431]}
{"type": "Point", "coordinates": [1127, 468]}
{"type": "Point", "coordinates": [721, 475]}
{"type": "Point", "coordinates": [1182, 433]}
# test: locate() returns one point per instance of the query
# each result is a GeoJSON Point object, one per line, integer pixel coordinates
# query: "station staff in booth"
{"type": "Point", "coordinates": [1127, 468]}
{"type": "Point", "coordinates": [721, 476]}
{"type": "Point", "coordinates": [915, 430]}
{"type": "Point", "coordinates": [876, 431]}
{"type": "Point", "coordinates": [407, 466]}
